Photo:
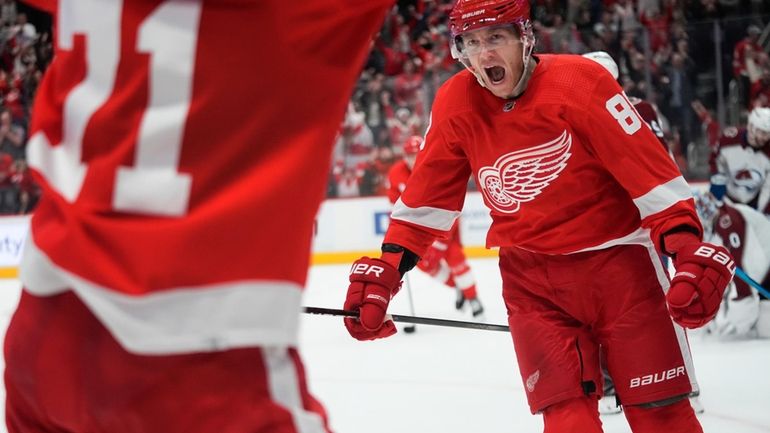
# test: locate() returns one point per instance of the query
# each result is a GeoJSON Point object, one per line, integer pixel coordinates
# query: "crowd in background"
{"type": "Point", "coordinates": [666, 51]}
{"type": "Point", "coordinates": [25, 51]}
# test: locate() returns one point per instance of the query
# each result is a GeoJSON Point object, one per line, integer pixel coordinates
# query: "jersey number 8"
{"type": "Point", "coordinates": [619, 107]}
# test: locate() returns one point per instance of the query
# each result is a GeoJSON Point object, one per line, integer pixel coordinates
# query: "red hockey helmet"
{"type": "Point", "coordinates": [412, 145]}
{"type": "Point", "coordinates": [468, 15]}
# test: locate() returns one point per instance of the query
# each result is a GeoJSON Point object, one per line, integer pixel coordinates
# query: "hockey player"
{"type": "Point", "coordinates": [743, 156]}
{"type": "Point", "coordinates": [583, 199]}
{"type": "Point", "coordinates": [182, 148]}
{"type": "Point", "coordinates": [445, 259]}
{"type": "Point", "coordinates": [746, 234]}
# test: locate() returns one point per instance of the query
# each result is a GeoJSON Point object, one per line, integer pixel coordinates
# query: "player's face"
{"type": "Point", "coordinates": [758, 138]}
{"type": "Point", "coordinates": [495, 54]}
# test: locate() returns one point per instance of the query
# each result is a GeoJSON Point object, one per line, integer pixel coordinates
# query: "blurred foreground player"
{"type": "Point", "coordinates": [445, 259]}
{"type": "Point", "coordinates": [182, 147]}
{"type": "Point", "coordinates": [583, 198]}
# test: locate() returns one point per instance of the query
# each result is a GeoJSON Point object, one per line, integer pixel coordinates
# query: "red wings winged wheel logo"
{"type": "Point", "coordinates": [520, 176]}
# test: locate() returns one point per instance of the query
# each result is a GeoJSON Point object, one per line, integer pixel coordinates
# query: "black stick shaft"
{"type": "Point", "coordinates": [413, 319]}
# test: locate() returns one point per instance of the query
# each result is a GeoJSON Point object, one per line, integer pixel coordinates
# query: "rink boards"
{"type": "Point", "coordinates": [344, 230]}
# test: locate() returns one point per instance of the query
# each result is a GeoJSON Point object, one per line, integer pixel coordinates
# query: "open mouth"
{"type": "Point", "coordinates": [496, 74]}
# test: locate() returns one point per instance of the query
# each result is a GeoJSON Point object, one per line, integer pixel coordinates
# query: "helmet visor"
{"type": "Point", "coordinates": [489, 38]}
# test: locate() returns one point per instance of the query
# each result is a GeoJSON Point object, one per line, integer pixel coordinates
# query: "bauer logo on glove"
{"type": "Point", "coordinates": [721, 257]}
{"type": "Point", "coordinates": [703, 271]}
{"type": "Point", "coordinates": [366, 269]}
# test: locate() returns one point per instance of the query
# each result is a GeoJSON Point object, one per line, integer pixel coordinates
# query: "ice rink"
{"type": "Point", "coordinates": [444, 380]}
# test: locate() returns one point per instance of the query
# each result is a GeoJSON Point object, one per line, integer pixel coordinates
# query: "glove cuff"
{"type": "Point", "coordinates": [675, 240]}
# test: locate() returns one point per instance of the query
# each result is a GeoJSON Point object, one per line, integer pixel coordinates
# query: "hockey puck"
{"type": "Point", "coordinates": [410, 329]}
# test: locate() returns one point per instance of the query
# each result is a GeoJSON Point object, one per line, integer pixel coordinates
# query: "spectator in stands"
{"type": "Point", "coordinates": [370, 98]}
{"type": "Point", "coordinates": [8, 193]}
{"type": "Point", "coordinates": [402, 124]}
{"type": "Point", "coordinates": [7, 12]}
{"type": "Point", "coordinates": [658, 26]}
{"type": "Point", "coordinates": [408, 87]}
{"type": "Point", "coordinates": [25, 32]}
{"type": "Point", "coordinates": [14, 103]}
{"type": "Point", "coordinates": [12, 140]}
{"type": "Point", "coordinates": [27, 191]}
{"type": "Point", "coordinates": [744, 56]}
{"type": "Point", "coordinates": [348, 179]}
{"type": "Point", "coordinates": [355, 141]}
{"type": "Point", "coordinates": [373, 180]}
{"type": "Point", "coordinates": [679, 96]}
{"type": "Point", "coordinates": [44, 49]}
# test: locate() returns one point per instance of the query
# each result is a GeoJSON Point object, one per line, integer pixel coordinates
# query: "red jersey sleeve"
{"type": "Point", "coordinates": [631, 152]}
{"type": "Point", "coordinates": [397, 177]}
{"type": "Point", "coordinates": [650, 117]}
{"type": "Point", "coordinates": [436, 189]}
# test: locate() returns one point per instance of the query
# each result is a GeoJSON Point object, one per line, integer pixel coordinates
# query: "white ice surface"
{"type": "Point", "coordinates": [443, 380]}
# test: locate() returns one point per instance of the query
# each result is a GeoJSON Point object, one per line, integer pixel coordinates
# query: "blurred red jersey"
{"type": "Point", "coordinates": [650, 116]}
{"type": "Point", "coordinates": [183, 155]}
{"type": "Point", "coordinates": [568, 166]}
{"type": "Point", "coordinates": [397, 177]}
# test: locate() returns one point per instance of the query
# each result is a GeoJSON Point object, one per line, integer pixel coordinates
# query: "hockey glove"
{"type": "Point", "coordinates": [373, 282]}
{"type": "Point", "coordinates": [430, 262]}
{"type": "Point", "coordinates": [703, 272]}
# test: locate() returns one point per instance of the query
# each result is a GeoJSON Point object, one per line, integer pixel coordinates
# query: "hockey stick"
{"type": "Point", "coordinates": [409, 329]}
{"type": "Point", "coordinates": [412, 319]}
{"type": "Point", "coordinates": [750, 281]}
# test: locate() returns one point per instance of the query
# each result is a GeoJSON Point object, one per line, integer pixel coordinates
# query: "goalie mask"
{"type": "Point", "coordinates": [469, 17]}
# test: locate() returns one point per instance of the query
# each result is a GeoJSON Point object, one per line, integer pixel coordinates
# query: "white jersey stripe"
{"type": "Point", "coordinates": [180, 320]}
{"type": "Point", "coordinates": [283, 380]}
{"type": "Point", "coordinates": [681, 335]}
{"type": "Point", "coordinates": [431, 217]}
{"type": "Point", "coordinates": [639, 236]}
{"type": "Point", "coordinates": [663, 196]}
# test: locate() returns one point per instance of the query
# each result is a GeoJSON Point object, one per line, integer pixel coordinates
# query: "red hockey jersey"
{"type": "Point", "coordinates": [566, 167]}
{"type": "Point", "coordinates": [397, 177]}
{"type": "Point", "coordinates": [183, 148]}
{"type": "Point", "coordinates": [650, 116]}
